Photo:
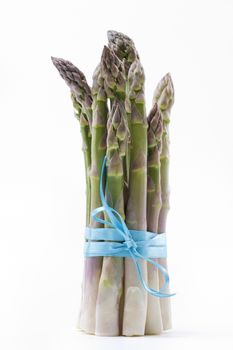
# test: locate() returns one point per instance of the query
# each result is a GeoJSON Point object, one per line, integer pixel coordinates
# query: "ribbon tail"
{"type": "Point", "coordinates": [150, 290]}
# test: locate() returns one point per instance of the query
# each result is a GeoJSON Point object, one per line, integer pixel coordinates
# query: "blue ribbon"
{"type": "Point", "coordinates": [119, 241]}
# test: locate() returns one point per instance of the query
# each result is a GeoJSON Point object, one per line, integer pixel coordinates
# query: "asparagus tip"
{"type": "Point", "coordinates": [55, 61]}
{"type": "Point", "coordinates": [113, 35]}
{"type": "Point", "coordinates": [112, 71]}
{"type": "Point", "coordinates": [123, 46]}
{"type": "Point", "coordinates": [59, 63]}
{"type": "Point", "coordinates": [164, 93]}
{"type": "Point", "coordinates": [168, 78]}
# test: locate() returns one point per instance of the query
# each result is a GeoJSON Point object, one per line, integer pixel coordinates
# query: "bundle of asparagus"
{"type": "Point", "coordinates": [115, 129]}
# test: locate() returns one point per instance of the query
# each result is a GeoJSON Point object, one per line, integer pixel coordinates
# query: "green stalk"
{"type": "Point", "coordinates": [86, 147]}
{"type": "Point", "coordinates": [154, 319]}
{"type": "Point", "coordinates": [93, 265]}
{"type": "Point", "coordinates": [111, 280]}
{"type": "Point", "coordinates": [164, 96]}
{"type": "Point", "coordinates": [125, 50]}
{"type": "Point", "coordinates": [135, 306]}
{"type": "Point", "coordinates": [82, 100]}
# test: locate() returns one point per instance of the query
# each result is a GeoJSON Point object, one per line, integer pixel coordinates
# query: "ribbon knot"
{"type": "Point", "coordinates": [117, 225]}
{"type": "Point", "coordinates": [130, 243]}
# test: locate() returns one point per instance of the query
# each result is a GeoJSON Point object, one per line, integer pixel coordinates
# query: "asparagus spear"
{"type": "Point", "coordinates": [93, 265]}
{"type": "Point", "coordinates": [135, 306]}
{"type": "Point", "coordinates": [125, 50]}
{"type": "Point", "coordinates": [154, 134]}
{"type": "Point", "coordinates": [82, 100]}
{"type": "Point", "coordinates": [111, 280]}
{"type": "Point", "coordinates": [164, 96]}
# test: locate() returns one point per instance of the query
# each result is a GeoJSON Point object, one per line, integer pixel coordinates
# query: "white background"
{"type": "Point", "coordinates": [42, 195]}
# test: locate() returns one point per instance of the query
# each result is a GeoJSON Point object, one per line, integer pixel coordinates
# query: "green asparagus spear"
{"type": "Point", "coordinates": [135, 297]}
{"type": "Point", "coordinates": [154, 201]}
{"type": "Point", "coordinates": [154, 136]}
{"type": "Point", "coordinates": [164, 96]}
{"type": "Point", "coordinates": [82, 100]}
{"type": "Point", "coordinates": [111, 280]}
{"type": "Point", "coordinates": [93, 265]}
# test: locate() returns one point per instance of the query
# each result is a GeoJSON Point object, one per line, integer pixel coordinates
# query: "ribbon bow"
{"type": "Point", "coordinates": [117, 225]}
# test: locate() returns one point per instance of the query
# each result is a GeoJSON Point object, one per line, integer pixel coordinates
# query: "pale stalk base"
{"type": "Point", "coordinates": [101, 298]}
{"type": "Point", "coordinates": [108, 300]}
{"type": "Point", "coordinates": [165, 303]}
{"type": "Point", "coordinates": [89, 295]}
{"type": "Point", "coordinates": [154, 324]}
{"type": "Point", "coordinates": [135, 306]}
